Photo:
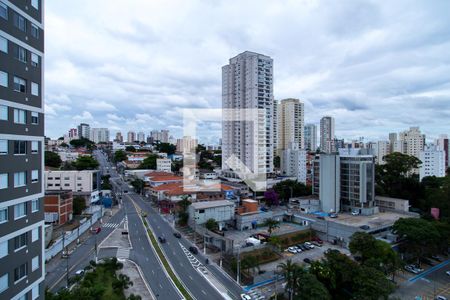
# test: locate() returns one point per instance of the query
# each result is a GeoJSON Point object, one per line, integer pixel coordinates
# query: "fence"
{"type": "Point", "coordinates": [70, 236]}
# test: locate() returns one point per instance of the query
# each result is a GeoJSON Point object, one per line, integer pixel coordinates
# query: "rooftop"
{"type": "Point", "coordinates": [211, 204]}
{"type": "Point", "coordinates": [377, 220]}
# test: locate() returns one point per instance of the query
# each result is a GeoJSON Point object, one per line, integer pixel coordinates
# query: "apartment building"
{"type": "Point", "coordinates": [131, 137]}
{"type": "Point", "coordinates": [433, 162]}
{"type": "Point", "coordinates": [311, 137]}
{"type": "Point", "coordinates": [99, 135]}
{"type": "Point", "coordinates": [164, 164]}
{"type": "Point", "coordinates": [413, 141]}
{"type": "Point", "coordinates": [293, 163]}
{"type": "Point", "coordinates": [291, 123]}
{"type": "Point", "coordinates": [326, 134]}
{"type": "Point", "coordinates": [247, 83]}
{"type": "Point", "coordinates": [21, 150]}
{"type": "Point", "coordinates": [443, 144]}
{"type": "Point", "coordinates": [382, 148]}
{"type": "Point", "coordinates": [82, 183]}
{"type": "Point", "coordinates": [84, 131]}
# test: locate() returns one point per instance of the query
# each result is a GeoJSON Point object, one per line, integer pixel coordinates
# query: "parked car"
{"type": "Point", "coordinates": [440, 297]}
{"type": "Point", "coordinates": [245, 297]}
{"type": "Point", "coordinates": [301, 246]}
{"type": "Point", "coordinates": [448, 273]}
{"type": "Point", "coordinates": [177, 235]}
{"type": "Point", "coordinates": [96, 230]}
{"type": "Point", "coordinates": [317, 239]}
{"type": "Point", "coordinates": [193, 250]}
{"type": "Point", "coordinates": [333, 215]}
{"type": "Point", "coordinates": [435, 257]}
{"type": "Point", "coordinates": [316, 244]}
{"type": "Point", "coordinates": [309, 245]}
{"type": "Point", "coordinates": [427, 261]}
{"type": "Point", "coordinates": [293, 250]}
{"type": "Point", "coordinates": [161, 239]}
{"type": "Point", "coordinates": [365, 227]}
{"type": "Point", "coordinates": [355, 213]}
{"type": "Point", "coordinates": [307, 260]}
{"type": "Point", "coordinates": [125, 191]}
{"type": "Point", "coordinates": [79, 272]}
{"type": "Point", "coordinates": [411, 270]}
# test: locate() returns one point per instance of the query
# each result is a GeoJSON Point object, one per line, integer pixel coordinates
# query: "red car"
{"type": "Point", "coordinates": [96, 230]}
{"type": "Point", "coordinates": [318, 240]}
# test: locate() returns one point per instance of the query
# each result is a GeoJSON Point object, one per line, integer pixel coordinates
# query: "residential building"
{"type": "Point", "coordinates": [326, 134]}
{"type": "Point", "coordinates": [131, 137]}
{"type": "Point", "coordinates": [187, 143]}
{"type": "Point", "coordinates": [293, 162]}
{"type": "Point", "coordinates": [99, 135]}
{"type": "Point", "coordinates": [73, 133]}
{"type": "Point", "coordinates": [82, 183]}
{"type": "Point", "coordinates": [221, 210]}
{"type": "Point", "coordinates": [22, 232]}
{"type": "Point", "coordinates": [442, 144]}
{"type": "Point", "coordinates": [84, 131]}
{"type": "Point", "coordinates": [433, 162]}
{"type": "Point", "coordinates": [119, 137]}
{"type": "Point", "coordinates": [247, 83]}
{"type": "Point", "coordinates": [140, 137]}
{"type": "Point", "coordinates": [393, 142]}
{"type": "Point", "coordinates": [311, 137]}
{"type": "Point", "coordinates": [164, 136]}
{"type": "Point", "coordinates": [326, 181]}
{"type": "Point", "coordinates": [164, 164]}
{"type": "Point", "coordinates": [156, 135]}
{"type": "Point", "coordinates": [276, 105]}
{"type": "Point", "coordinates": [291, 122]}
{"type": "Point", "coordinates": [413, 141]}
{"type": "Point", "coordinates": [382, 149]}
{"type": "Point", "coordinates": [58, 206]}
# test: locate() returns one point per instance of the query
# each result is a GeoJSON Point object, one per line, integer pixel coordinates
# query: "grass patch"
{"type": "Point", "coordinates": [166, 263]}
{"type": "Point", "coordinates": [263, 255]}
{"type": "Point", "coordinates": [294, 238]}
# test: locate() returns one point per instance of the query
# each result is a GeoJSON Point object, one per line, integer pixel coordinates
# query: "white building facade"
{"type": "Point", "coordinates": [291, 122]}
{"type": "Point", "coordinates": [293, 163]}
{"type": "Point", "coordinates": [164, 164]}
{"type": "Point", "coordinates": [311, 137]}
{"type": "Point", "coordinates": [326, 134]}
{"type": "Point", "coordinates": [433, 162]}
{"type": "Point", "coordinates": [99, 135]}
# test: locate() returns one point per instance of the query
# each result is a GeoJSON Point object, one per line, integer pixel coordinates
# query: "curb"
{"type": "Point", "coordinates": [142, 277]}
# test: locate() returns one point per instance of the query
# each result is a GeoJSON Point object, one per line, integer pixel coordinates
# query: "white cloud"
{"type": "Point", "coordinates": [85, 116]}
{"type": "Point", "coordinates": [94, 105]}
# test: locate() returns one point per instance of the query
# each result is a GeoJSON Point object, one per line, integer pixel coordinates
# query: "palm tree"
{"type": "Point", "coordinates": [287, 269]}
{"type": "Point", "coordinates": [272, 224]}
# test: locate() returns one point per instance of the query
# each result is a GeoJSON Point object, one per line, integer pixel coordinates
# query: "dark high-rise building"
{"type": "Point", "coordinates": [21, 150]}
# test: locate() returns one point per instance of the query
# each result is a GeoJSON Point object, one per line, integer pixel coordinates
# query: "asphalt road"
{"type": "Point", "coordinates": [141, 252]}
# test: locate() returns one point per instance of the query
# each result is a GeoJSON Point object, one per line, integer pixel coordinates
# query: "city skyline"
{"type": "Point", "coordinates": [374, 76]}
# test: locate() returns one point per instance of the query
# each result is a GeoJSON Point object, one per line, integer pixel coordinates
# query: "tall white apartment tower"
{"type": "Point", "coordinates": [326, 134]}
{"type": "Point", "coordinates": [413, 141]}
{"type": "Point", "coordinates": [311, 137]}
{"type": "Point", "coordinates": [247, 83]}
{"type": "Point", "coordinates": [291, 123]}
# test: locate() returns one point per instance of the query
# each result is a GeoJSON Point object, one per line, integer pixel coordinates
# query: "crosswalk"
{"type": "Point", "coordinates": [123, 253]}
{"type": "Point", "coordinates": [113, 225]}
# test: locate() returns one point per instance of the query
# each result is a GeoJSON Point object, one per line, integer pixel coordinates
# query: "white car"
{"type": "Point", "coordinates": [245, 297]}
{"type": "Point", "coordinates": [355, 213]}
{"type": "Point", "coordinates": [79, 272]}
{"type": "Point", "coordinates": [309, 245]}
{"type": "Point", "coordinates": [293, 250]}
{"type": "Point", "coordinates": [448, 273]}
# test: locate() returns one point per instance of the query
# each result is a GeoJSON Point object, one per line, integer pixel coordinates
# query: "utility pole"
{"type": "Point", "coordinates": [67, 268]}
{"type": "Point", "coordinates": [238, 277]}
{"type": "Point", "coordinates": [96, 258]}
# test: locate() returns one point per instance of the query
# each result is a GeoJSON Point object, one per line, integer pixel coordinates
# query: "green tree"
{"type": "Point", "coordinates": [82, 142]}
{"type": "Point", "coordinates": [149, 162]}
{"type": "Point", "coordinates": [52, 159]}
{"type": "Point", "coordinates": [106, 185]}
{"type": "Point", "coordinates": [130, 149]}
{"type": "Point", "coordinates": [419, 237]}
{"type": "Point", "coordinates": [272, 225]}
{"type": "Point", "coordinates": [275, 242]}
{"type": "Point", "coordinates": [120, 155]}
{"type": "Point", "coordinates": [138, 185]}
{"type": "Point", "coordinates": [211, 224]}
{"type": "Point", "coordinates": [310, 288]}
{"type": "Point", "coordinates": [78, 205]}
{"type": "Point", "coordinates": [371, 284]}
{"type": "Point", "coordinates": [166, 148]}
{"type": "Point", "coordinates": [85, 163]}
{"type": "Point", "coordinates": [288, 188]}
{"type": "Point", "coordinates": [183, 216]}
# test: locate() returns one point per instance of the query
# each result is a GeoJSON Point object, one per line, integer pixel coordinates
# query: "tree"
{"type": "Point", "coordinates": [200, 148]}
{"type": "Point", "coordinates": [120, 155]}
{"type": "Point", "coordinates": [271, 198]}
{"type": "Point", "coordinates": [288, 188]}
{"type": "Point", "coordinates": [138, 185]}
{"type": "Point", "coordinates": [82, 142]}
{"type": "Point", "coordinates": [272, 225]}
{"type": "Point", "coordinates": [130, 149]}
{"type": "Point", "coordinates": [78, 205]}
{"type": "Point", "coordinates": [419, 237]}
{"type": "Point", "coordinates": [310, 288]}
{"type": "Point", "coordinates": [106, 185]}
{"type": "Point", "coordinates": [166, 148]}
{"type": "Point", "coordinates": [275, 241]}
{"type": "Point", "coordinates": [362, 245]}
{"type": "Point", "coordinates": [369, 283]}
{"type": "Point", "coordinates": [64, 145]}
{"type": "Point", "coordinates": [211, 224]}
{"type": "Point", "coordinates": [149, 162]}
{"type": "Point", "coordinates": [183, 216]}
{"type": "Point", "coordinates": [52, 159]}
{"type": "Point", "coordinates": [85, 163]}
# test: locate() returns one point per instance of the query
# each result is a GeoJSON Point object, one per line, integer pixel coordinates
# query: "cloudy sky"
{"type": "Point", "coordinates": [376, 66]}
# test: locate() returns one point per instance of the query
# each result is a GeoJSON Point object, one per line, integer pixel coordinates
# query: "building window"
{"type": "Point", "coordinates": [20, 84]}
{"type": "Point", "coordinates": [20, 147]}
{"type": "Point", "coordinates": [34, 147]}
{"type": "Point", "coordinates": [3, 249]}
{"type": "Point", "coordinates": [34, 234]}
{"type": "Point", "coordinates": [34, 176]}
{"type": "Point", "coordinates": [34, 89]}
{"type": "Point", "coordinates": [34, 118]}
{"type": "Point", "coordinates": [3, 11]}
{"type": "Point", "coordinates": [34, 31]}
{"type": "Point", "coordinates": [4, 112]}
{"type": "Point", "coordinates": [3, 147]}
{"type": "Point", "coordinates": [3, 44]}
{"type": "Point", "coordinates": [3, 79]}
{"type": "Point", "coordinates": [35, 205]}
{"type": "Point", "coordinates": [20, 179]}
{"type": "Point", "coordinates": [20, 241]}
{"type": "Point", "coordinates": [34, 59]}
{"type": "Point", "coordinates": [20, 272]}
{"type": "Point", "coordinates": [20, 54]}
{"type": "Point", "coordinates": [3, 181]}
{"type": "Point", "coordinates": [35, 263]}
{"type": "Point", "coordinates": [3, 215]}
{"type": "Point", "coordinates": [4, 278]}
{"type": "Point", "coordinates": [19, 116]}
{"type": "Point", "coordinates": [20, 22]}
{"type": "Point", "coordinates": [35, 4]}
{"type": "Point", "coordinates": [35, 292]}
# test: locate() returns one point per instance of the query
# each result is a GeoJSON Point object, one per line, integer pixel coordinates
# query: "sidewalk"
{"type": "Point", "coordinates": [139, 286]}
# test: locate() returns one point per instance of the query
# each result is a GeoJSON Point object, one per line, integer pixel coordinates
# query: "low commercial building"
{"type": "Point", "coordinates": [84, 183]}
{"type": "Point", "coordinates": [156, 178]}
{"type": "Point", "coordinates": [58, 206]}
{"type": "Point", "coordinates": [221, 210]}
{"type": "Point", "coordinates": [392, 204]}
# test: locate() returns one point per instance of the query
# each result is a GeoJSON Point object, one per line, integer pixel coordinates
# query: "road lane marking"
{"type": "Point", "coordinates": [190, 277]}
{"type": "Point", "coordinates": [203, 292]}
